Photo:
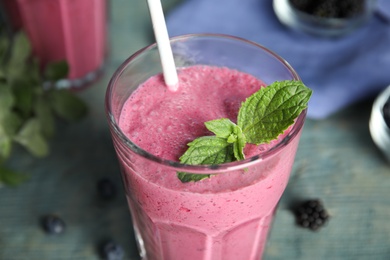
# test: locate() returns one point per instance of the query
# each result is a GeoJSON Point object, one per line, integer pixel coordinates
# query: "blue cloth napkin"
{"type": "Point", "coordinates": [340, 71]}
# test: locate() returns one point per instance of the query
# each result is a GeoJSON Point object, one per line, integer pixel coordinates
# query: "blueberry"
{"type": "Point", "coordinates": [53, 224]}
{"type": "Point", "coordinates": [386, 112]}
{"type": "Point", "coordinates": [112, 251]}
{"type": "Point", "coordinates": [311, 214]}
{"type": "Point", "coordinates": [106, 188]}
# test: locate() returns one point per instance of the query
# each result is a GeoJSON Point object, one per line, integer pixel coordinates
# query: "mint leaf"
{"type": "Point", "coordinates": [207, 150]}
{"type": "Point", "coordinates": [6, 98]}
{"type": "Point", "coordinates": [56, 70]}
{"type": "Point", "coordinates": [33, 74]}
{"type": "Point", "coordinates": [27, 106]}
{"type": "Point", "coordinates": [10, 177]}
{"type": "Point", "coordinates": [67, 105]}
{"type": "Point", "coordinates": [187, 177]}
{"type": "Point", "coordinates": [3, 77]}
{"type": "Point", "coordinates": [30, 136]}
{"type": "Point", "coordinates": [222, 128]}
{"type": "Point", "coordinates": [210, 150]}
{"type": "Point", "coordinates": [271, 110]}
{"type": "Point", "coordinates": [21, 50]}
{"type": "Point", "coordinates": [239, 141]}
{"type": "Point", "coordinates": [45, 116]}
{"type": "Point", "coordinates": [9, 125]}
{"type": "Point", "coordinates": [24, 96]}
{"type": "Point", "coordinates": [5, 147]}
{"type": "Point", "coordinates": [4, 47]}
{"type": "Point", "coordinates": [262, 117]}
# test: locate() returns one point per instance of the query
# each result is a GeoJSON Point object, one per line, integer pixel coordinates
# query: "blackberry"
{"type": "Point", "coordinates": [325, 9]}
{"type": "Point", "coordinates": [53, 224]}
{"type": "Point", "coordinates": [106, 188]}
{"type": "Point", "coordinates": [112, 251]}
{"type": "Point", "coordinates": [312, 214]}
{"type": "Point", "coordinates": [330, 8]}
{"type": "Point", "coordinates": [386, 112]}
{"type": "Point", "coordinates": [350, 8]}
{"type": "Point", "coordinates": [303, 5]}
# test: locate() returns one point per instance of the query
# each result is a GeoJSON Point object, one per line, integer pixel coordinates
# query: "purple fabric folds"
{"type": "Point", "coordinates": [340, 71]}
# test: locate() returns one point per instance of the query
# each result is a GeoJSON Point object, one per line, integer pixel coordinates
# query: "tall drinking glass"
{"type": "Point", "coordinates": [230, 216]}
{"type": "Point", "coordinates": [70, 30]}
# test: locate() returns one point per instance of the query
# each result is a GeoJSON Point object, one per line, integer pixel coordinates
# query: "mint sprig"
{"type": "Point", "coordinates": [262, 118]}
{"type": "Point", "coordinates": [28, 109]}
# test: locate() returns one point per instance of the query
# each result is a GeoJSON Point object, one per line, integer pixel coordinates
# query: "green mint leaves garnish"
{"type": "Point", "coordinates": [262, 118]}
{"type": "Point", "coordinates": [270, 111]}
{"type": "Point", "coordinates": [28, 108]}
{"type": "Point", "coordinates": [231, 133]}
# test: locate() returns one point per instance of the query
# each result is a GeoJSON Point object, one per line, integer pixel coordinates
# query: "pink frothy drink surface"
{"type": "Point", "coordinates": [224, 217]}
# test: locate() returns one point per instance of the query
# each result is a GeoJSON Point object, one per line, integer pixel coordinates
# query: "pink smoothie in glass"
{"type": "Point", "coordinates": [224, 217]}
{"type": "Point", "coordinates": [71, 30]}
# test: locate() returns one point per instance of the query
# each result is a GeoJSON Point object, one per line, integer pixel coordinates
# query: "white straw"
{"type": "Point", "coordinates": [163, 44]}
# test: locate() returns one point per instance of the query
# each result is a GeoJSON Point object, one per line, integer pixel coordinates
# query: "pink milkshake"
{"type": "Point", "coordinates": [71, 30]}
{"type": "Point", "coordinates": [228, 215]}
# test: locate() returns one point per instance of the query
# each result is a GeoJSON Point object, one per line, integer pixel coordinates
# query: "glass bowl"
{"type": "Point", "coordinates": [380, 131]}
{"type": "Point", "coordinates": [294, 18]}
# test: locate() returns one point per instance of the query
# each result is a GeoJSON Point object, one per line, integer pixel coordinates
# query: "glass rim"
{"type": "Point", "coordinates": [199, 169]}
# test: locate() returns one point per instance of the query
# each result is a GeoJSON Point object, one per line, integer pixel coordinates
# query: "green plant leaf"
{"type": "Point", "coordinates": [5, 148]}
{"type": "Point", "coordinates": [32, 73]}
{"type": "Point", "coordinates": [45, 116]}
{"type": "Point", "coordinates": [21, 50]}
{"type": "Point", "coordinates": [10, 177]}
{"type": "Point", "coordinates": [24, 96]}
{"type": "Point", "coordinates": [9, 124]}
{"type": "Point", "coordinates": [27, 108]}
{"type": "Point", "coordinates": [56, 70]}
{"type": "Point", "coordinates": [239, 141]}
{"type": "Point", "coordinates": [30, 136]}
{"type": "Point", "coordinates": [67, 105]}
{"type": "Point", "coordinates": [3, 77]}
{"type": "Point", "coordinates": [271, 110]}
{"type": "Point", "coordinates": [209, 150]}
{"type": "Point", "coordinates": [261, 118]}
{"type": "Point", "coordinates": [221, 127]}
{"type": "Point", "coordinates": [4, 47]}
{"type": "Point", "coordinates": [224, 128]}
{"type": "Point", "coordinates": [7, 99]}
{"type": "Point", "coordinates": [206, 150]}
{"type": "Point", "coordinates": [187, 177]}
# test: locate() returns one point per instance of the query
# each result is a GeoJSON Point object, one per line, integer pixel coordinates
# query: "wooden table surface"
{"type": "Point", "coordinates": [336, 162]}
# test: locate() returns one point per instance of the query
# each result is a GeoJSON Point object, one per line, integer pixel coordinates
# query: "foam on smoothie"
{"type": "Point", "coordinates": [163, 122]}
{"type": "Point", "coordinates": [172, 119]}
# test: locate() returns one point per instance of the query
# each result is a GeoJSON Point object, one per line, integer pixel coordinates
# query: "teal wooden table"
{"type": "Point", "coordinates": [336, 162]}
